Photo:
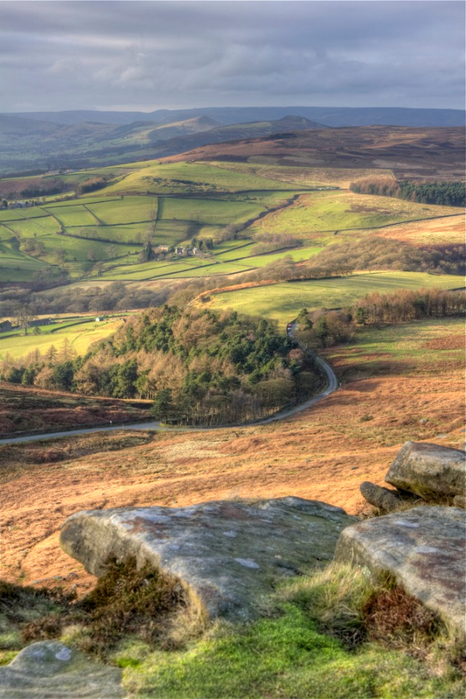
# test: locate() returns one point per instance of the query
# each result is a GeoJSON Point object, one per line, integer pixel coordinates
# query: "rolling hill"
{"type": "Point", "coordinates": [331, 116]}
{"type": "Point", "coordinates": [29, 143]}
{"type": "Point", "coordinates": [436, 153]}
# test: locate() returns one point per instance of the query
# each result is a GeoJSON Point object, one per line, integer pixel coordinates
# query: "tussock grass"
{"type": "Point", "coordinates": [126, 601]}
{"type": "Point", "coordinates": [334, 634]}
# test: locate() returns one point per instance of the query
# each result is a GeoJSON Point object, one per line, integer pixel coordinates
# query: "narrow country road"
{"type": "Point", "coordinates": [332, 386]}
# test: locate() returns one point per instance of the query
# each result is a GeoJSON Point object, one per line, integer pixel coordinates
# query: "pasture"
{"type": "Point", "coordinates": [283, 301]}
{"type": "Point", "coordinates": [267, 167]}
{"type": "Point", "coordinates": [81, 332]}
{"type": "Point", "coordinates": [99, 235]}
{"type": "Point", "coordinates": [186, 178]}
{"type": "Point", "coordinates": [316, 215]}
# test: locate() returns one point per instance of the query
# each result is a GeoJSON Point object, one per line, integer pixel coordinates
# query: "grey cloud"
{"type": "Point", "coordinates": [68, 55]}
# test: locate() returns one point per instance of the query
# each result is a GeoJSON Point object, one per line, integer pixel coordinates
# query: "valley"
{"type": "Point", "coordinates": [146, 305]}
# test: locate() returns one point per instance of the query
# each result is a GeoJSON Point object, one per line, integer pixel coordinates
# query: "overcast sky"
{"type": "Point", "coordinates": [149, 55]}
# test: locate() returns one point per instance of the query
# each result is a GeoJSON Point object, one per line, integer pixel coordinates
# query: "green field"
{"type": "Point", "coordinates": [327, 212]}
{"type": "Point", "coordinates": [71, 216]}
{"type": "Point", "coordinates": [283, 301]}
{"type": "Point", "coordinates": [100, 235]}
{"type": "Point", "coordinates": [193, 177]}
{"type": "Point", "coordinates": [81, 333]}
{"type": "Point", "coordinates": [35, 228]}
{"type": "Point", "coordinates": [127, 210]}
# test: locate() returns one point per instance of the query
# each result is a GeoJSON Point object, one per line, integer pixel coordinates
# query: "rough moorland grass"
{"type": "Point", "coordinates": [283, 301]}
{"type": "Point", "coordinates": [312, 639]}
{"type": "Point", "coordinates": [414, 348]}
{"type": "Point", "coordinates": [265, 166]}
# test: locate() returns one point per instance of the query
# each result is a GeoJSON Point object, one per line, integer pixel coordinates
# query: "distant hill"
{"type": "Point", "coordinates": [430, 153]}
{"type": "Point", "coordinates": [30, 143]}
{"type": "Point", "coordinates": [11, 125]}
{"type": "Point", "coordinates": [330, 116]}
{"type": "Point", "coordinates": [234, 132]}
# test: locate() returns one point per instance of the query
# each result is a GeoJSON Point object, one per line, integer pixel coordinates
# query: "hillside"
{"type": "Point", "coordinates": [85, 142]}
{"type": "Point", "coordinates": [408, 152]}
{"type": "Point", "coordinates": [199, 367]}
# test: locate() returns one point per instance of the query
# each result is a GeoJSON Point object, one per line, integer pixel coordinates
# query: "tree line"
{"type": "Point", "coordinates": [324, 328]}
{"type": "Point", "coordinates": [441, 193]}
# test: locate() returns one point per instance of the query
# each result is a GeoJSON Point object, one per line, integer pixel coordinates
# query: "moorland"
{"type": "Point", "coordinates": [168, 286]}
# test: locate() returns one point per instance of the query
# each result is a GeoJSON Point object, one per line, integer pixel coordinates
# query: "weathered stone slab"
{"type": "Point", "coordinates": [429, 470]}
{"type": "Point", "coordinates": [423, 548]}
{"type": "Point", "coordinates": [228, 553]}
{"type": "Point", "coordinates": [51, 670]}
{"type": "Point", "coordinates": [384, 499]}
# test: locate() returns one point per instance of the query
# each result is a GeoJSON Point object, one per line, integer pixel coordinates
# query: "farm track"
{"type": "Point", "coordinates": [332, 385]}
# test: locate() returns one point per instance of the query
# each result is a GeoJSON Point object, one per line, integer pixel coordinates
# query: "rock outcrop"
{"type": "Point", "coordinates": [430, 471]}
{"type": "Point", "coordinates": [424, 549]}
{"type": "Point", "coordinates": [227, 553]}
{"type": "Point", "coordinates": [51, 670]}
{"type": "Point", "coordinates": [382, 498]}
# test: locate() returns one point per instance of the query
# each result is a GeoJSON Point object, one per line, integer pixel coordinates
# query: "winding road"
{"type": "Point", "coordinates": [332, 385]}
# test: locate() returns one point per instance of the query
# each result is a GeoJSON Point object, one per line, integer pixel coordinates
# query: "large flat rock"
{"type": "Point", "coordinates": [423, 548]}
{"type": "Point", "coordinates": [431, 471]}
{"type": "Point", "coordinates": [228, 553]}
{"type": "Point", "coordinates": [51, 670]}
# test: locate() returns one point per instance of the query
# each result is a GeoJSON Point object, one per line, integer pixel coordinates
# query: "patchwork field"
{"type": "Point", "coordinates": [99, 236]}
{"type": "Point", "coordinates": [283, 301]}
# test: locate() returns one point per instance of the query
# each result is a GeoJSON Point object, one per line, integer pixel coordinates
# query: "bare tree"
{"type": "Point", "coordinates": [24, 317]}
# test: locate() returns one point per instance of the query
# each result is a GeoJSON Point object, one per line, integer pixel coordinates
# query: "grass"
{"type": "Point", "coordinates": [26, 409]}
{"type": "Point", "coordinates": [201, 199]}
{"type": "Point", "coordinates": [283, 301]}
{"type": "Point", "coordinates": [265, 166]}
{"type": "Point", "coordinates": [71, 216]}
{"type": "Point", "coordinates": [316, 641]}
{"type": "Point", "coordinates": [35, 228]}
{"type": "Point", "coordinates": [304, 644]}
{"type": "Point", "coordinates": [127, 210]}
{"type": "Point", "coordinates": [414, 348]}
{"type": "Point", "coordinates": [210, 211]}
{"type": "Point", "coordinates": [339, 210]}
{"type": "Point", "coordinates": [81, 335]}
{"type": "Point", "coordinates": [14, 264]}
{"type": "Point", "coordinates": [192, 177]}
{"type": "Point", "coordinates": [19, 214]}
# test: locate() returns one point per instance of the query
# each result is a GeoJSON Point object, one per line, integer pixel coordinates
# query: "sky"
{"type": "Point", "coordinates": [148, 55]}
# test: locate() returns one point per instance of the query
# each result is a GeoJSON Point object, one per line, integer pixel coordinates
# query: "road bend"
{"type": "Point", "coordinates": [332, 385]}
